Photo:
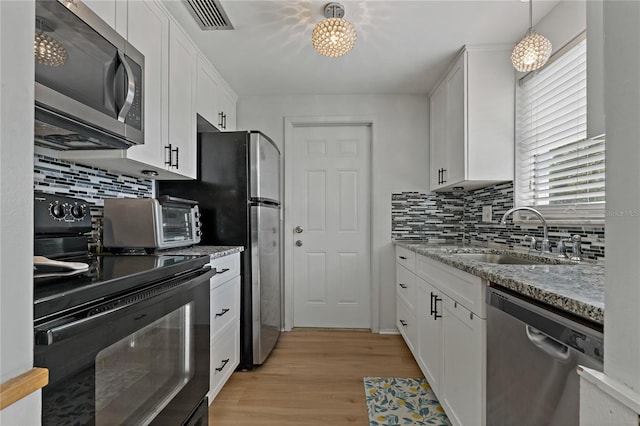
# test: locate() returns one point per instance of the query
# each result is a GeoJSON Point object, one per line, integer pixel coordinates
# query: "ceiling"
{"type": "Point", "coordinates": [402, 46]}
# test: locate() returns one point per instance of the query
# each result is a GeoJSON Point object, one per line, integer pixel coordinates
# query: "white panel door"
{"type": "Point", "coordinates": [331, 213]}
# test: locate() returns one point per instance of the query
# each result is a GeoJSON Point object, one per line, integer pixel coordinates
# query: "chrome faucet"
{"type": "Point", "coordinates": [546, 248]}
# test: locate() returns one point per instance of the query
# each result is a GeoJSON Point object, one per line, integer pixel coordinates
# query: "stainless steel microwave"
{"type": "Point", "coordinates": [89, 81]}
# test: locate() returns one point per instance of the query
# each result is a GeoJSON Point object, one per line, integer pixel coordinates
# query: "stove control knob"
{"type": "Point", "coordinates": [57, 211]}
{"type": "Point", "coordinates": [77, 212]}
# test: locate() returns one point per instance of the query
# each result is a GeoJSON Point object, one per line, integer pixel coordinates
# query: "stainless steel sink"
{"type": "Point", "coordinates": [504, 259]}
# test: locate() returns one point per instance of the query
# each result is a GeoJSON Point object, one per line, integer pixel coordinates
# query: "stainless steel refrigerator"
{"type": "Point", "coordinates": [238, 190]}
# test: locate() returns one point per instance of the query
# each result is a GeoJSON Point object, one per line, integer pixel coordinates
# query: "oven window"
{"type": "Point", "coordinates": [136, 377]}
{"type": "Point", "coordinates": [177, 224]}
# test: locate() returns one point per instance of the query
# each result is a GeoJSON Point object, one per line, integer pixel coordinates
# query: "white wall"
{"type": "Point", "coordinates": [400, 159]}
{"type": "Point", "coordinates": [16, 203]}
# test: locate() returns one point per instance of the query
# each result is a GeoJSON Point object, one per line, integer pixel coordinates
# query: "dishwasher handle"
{"type": "Point", "coordinates": [548, 345]}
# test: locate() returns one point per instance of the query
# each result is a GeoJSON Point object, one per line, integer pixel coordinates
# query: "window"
{"type": "Point", "coordinates": [559, 171]}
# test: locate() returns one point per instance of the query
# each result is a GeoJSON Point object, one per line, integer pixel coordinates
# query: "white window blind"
{"type": "Point", "coordinates": [558, 170]}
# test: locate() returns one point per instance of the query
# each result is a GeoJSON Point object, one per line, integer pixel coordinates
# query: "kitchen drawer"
{"type": "Point", "coordinates": [407, 325]}
{"type": "Point", "coordinates": [406, 258]}
{"type": "Point", "coordinates": [225, 305]}
{"type": "Point", "coordinates": [225, 357]}
{"type": "Point", "coordinates": [226, 267]}
{"type": "Point", "coordinates": [464, 288]}
{"type": "Point", "coordinates": [406, 286]}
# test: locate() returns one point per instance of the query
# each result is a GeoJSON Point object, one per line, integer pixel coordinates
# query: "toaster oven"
{"type": "Point", "coordinates": [150, 223]}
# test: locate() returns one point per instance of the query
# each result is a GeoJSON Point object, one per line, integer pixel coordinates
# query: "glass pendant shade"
{"type": "Point", "coordinates": [333, 36]}
{"type": "Point", "coordinates": [48, 51]}
{"type": "Point", "coordinates": [531, 53]}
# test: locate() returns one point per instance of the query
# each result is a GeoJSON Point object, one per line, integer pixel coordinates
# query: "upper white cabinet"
{"type": "Point", "coordinates": [208, 91]}
{"type": "Point", "coordinates": [179, 82]}
{"type": "Point", "coordinates": [152, 40]}
{"type": "Point", "coordinates": [215, 101]}
{"type": "Point", "coordinates": [105, 9]}
{"type": "Point", "coordinates": [472, 121]}
{"type": "Point", "coordinates": [183, 57]}
{"type": "Point", "coordinates": [227, 106]}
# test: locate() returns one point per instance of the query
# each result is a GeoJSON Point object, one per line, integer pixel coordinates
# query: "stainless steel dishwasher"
{"type": "Point", "coordinates": [532, 355]}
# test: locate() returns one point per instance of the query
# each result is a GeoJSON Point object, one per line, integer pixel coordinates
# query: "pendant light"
{"type": "Point", "coordinates": [46, 49]}
{"type": "Point", "coordinates": [333, 36]}
{"type": "Point", "coordinates": [533, 51]}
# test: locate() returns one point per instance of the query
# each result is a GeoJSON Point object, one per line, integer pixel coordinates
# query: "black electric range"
{"type": "Point", "coordinates": [108, 276]}
{"type": "Point", "coordinates": [60, 227]}
{"type": "Point", "coordinates": [126, 340]}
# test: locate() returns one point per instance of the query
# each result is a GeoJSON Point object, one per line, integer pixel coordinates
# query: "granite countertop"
{"type": "Point", "coordinates": [213, 251]}
{"type": "Point", "coordinates": [577, 288]}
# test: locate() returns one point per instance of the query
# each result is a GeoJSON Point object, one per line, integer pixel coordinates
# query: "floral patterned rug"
{"type": "Point", "coordinates": [395, 401]}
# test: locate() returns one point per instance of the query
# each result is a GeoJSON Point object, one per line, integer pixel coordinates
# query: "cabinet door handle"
{"type": "Point", "coordinates": [436, 299]}
{"type": "Point", "coordinates": [432, 311]}
{"type": "Point", "coordinates": [224, 311]}
{"type": "Point", "coordinates": [220, 119]}
{"type": "Point", "coordinates": [402, 285]}
{"type": "Point", "coordinates": [177, 150]}
{"type": "Point", "coordinates": [403, 257]}
{"type": "Point", "coordinates": [434, 306]}
{"type": "Point", "coordinates": [224, 121]}
{"type": "Point", "coordinates": [224, 364]}
{"type": "Point", "coordinates": [222, 271]}
{"type": "Point", "coordinates": [404, 324]}
{"type": "Point", "coordinates": [167, 155]}
{"type": "Point", "coordinates": [443, 178]}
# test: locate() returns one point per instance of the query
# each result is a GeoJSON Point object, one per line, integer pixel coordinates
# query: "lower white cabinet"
{"type": "Point", "coordinates": [406, 323]}
{"type": "Point", "coordinates": [462, 389]}
{"type": "Point", "coordinates": [429, 316]}
{"type": "Point", "coordinates": [447, 338]}
{"type": "Point", "coordinates": [225, 321]}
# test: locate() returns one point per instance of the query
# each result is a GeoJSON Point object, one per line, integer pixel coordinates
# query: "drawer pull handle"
{"type": "Point", "coordinates": [224, 364]}
{"type": "Point", "coordinates": [404, 323]}
{"type": "Point", "coordinates": [403, 257]}
{"type": "Point", "coordinates": [224, 311]}
{"type": "Point", "coordinates": [402, 285]}
{"type": "Point", "coordinates": [222, 271]}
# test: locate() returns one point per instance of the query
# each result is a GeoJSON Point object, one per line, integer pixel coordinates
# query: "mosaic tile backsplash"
{"type": "Point", "coordinates": [457, 217]}
{"type": "Point", "coordinates": [93, 185]}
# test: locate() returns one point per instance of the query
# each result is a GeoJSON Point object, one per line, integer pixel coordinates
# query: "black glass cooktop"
{"type": "Point", "coordinates": [108, 276]}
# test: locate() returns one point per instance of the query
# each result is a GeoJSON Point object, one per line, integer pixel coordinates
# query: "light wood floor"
{"type": "Point", "coordinates": [313, 377]}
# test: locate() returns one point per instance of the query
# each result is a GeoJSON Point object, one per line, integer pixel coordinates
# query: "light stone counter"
{"type": "Point", "coordinates": [213, 251]}
{"type": "Point", "coordinates": [575, 288]}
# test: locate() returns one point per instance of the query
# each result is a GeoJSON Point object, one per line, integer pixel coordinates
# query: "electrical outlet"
{"type": "Point", "coordinates": [486, 213]}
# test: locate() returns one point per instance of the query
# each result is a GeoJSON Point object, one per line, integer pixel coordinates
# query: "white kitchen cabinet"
{"type": "Point", "coordinates": [472, 121]}
{"type": "Point", "coordinates": [179, 82]}
{"type": "Point", "coordinates": [438, 131]}
{"type": "Point", "coordinates": [113, 12]}
{"type": "Point", "coordinates": [148, 160]}
{"type": "Point", "coordinates": [429, 317]}
{"type": "Point", "coordinates": [407, 325]}
{"type": "Point", "coordinates": [227, 106]}
{"type": "Point", "coordinates": [462, 390]}
{"type": "Point", "coordinates": [208, 92]}
{"type": "Point", "coordinates": [225, 322]}
{"type": "Point", "coordinates": [183, 61]}
{"type": "Point", "coordinates": [446, 332]}
{"type": "Point", "coordinates": [406, 291]}
{"type": "Point", "coordinates": [216, 102]}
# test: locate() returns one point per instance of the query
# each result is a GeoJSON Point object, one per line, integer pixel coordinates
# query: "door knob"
{"type": "Point", "coordinates": [299, 243]}
{"type": "Point", "coordinates": [299, 229]}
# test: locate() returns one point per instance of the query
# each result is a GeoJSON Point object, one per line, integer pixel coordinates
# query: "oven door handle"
{"type": "Point", "coordinates": [49, 336]}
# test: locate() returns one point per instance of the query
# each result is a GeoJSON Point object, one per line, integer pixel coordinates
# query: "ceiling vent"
{"type": "Point", "coordinates": [209, 14]}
